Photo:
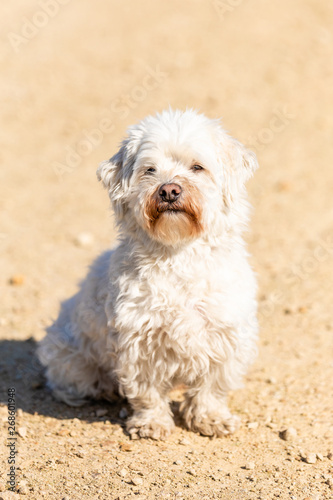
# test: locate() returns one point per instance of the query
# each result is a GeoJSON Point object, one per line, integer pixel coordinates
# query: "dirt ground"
{"type": "Point", "coordinates": [74, 75]}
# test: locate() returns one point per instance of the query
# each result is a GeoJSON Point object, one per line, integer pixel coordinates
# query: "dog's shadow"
{"type": "Point", "coordinates": [20, 370]}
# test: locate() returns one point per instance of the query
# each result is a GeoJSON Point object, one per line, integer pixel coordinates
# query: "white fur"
{"type": "Point", "coordinates": [174, 304]}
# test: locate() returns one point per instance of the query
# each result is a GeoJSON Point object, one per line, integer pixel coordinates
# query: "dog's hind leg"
{"type": "Point", "coordinates": [70, 375]}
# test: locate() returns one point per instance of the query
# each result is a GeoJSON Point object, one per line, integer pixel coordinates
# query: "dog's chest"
{"type": "Point", "coordinates": [183, 303]}
{"type": "Point", "coordinates": [175, 319]}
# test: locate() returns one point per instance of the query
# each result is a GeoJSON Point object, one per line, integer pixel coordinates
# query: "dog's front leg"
{"type": "Point", "coordinates": [205, 409]}
{"type": "Point", "coordinates": [152, 416]}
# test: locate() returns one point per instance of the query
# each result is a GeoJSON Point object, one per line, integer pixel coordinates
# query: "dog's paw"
{"type": "Point", "coordinates": [146, 429]}
{"type": "Point", "coordinates": [215, 426]}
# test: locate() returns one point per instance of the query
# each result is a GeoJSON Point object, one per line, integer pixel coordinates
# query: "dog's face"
{"type": "Point", "coordinates": [176, 176]}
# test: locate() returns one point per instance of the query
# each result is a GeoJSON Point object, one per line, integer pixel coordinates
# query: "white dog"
{"type": "Point", "coordinates": [175, 301]}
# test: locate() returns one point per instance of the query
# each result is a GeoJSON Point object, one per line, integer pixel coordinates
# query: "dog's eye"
{"type": "Point", "coordinates": [197, 167]}
{"type": "Point", "coordinates": [150, 170]}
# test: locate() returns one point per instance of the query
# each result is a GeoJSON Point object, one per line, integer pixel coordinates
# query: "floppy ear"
{"type": "Point", "coordinates": [116, 173]}
{"type": "Point", "coordinates": [240, 164]}
{"type": "Point", "coordinates": [110, 172]}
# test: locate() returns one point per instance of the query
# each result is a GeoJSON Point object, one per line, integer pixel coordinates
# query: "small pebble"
{"type": "Point", "coordinates": [123, 413]}
{"type": "Point", "coordinates": [192, 473]}
{"type": "Point", "coordinates": [84, 240]}
{"type": "Point", "coordinates": [178, 462]}
{"type": "Point", "coordinates": [17, 280]}
{"type": "Point", "coordinates": [126, 447]}
{"type": "Point", "coordinates": [62, 432]}
{"type": "Point", "coordinates": [122, 473]}
{"type": "Point", "coordinates": [288, 434]}
{"type": "Point", "coordinates": [319, 456]}
{"type": "Point", "coordinates": [80, 454]}
{"type": "Point", "coordinates": [101, 412]}
{"type": "Point", "coordinates": [329, 481]}
{"type": "Point", "coordinates": [185, 442]}
{"type": "Point", "coordinates": [249, 466]}
{"type": "Point", "coordinates": [22, 432]}
{"type": "Point", "coordinates": [23, 490]}
{"type": "Point", "coordinates": [252, 425]}
{"type": "Point", "coordinates": [283, 186]}
{"type": "Point", "coordinates": [310, 458]}
{"type": "Point", "coordinates": [302, 309]}
{"type": "Point", "coordinates": [137, 481]}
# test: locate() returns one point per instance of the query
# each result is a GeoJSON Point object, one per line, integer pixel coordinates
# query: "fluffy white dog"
{"type": "Point", "coordinates": [175, 301]}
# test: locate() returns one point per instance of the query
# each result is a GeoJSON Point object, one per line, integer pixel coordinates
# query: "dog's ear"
{"type": "Point", "coordinates": [116, 173]}
{"type": "Point", "coordinates": [239, 166]}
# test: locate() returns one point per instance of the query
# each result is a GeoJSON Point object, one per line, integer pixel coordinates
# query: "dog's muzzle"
{"type": "Point", "coordinates": [173, 212]}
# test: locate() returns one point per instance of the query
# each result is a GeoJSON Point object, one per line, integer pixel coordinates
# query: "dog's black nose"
{"type": "Point", "coordinates": [169, 192]}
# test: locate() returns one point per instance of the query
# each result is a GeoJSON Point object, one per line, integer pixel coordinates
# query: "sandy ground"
{"type": "Point", "coordinates": [74, 75]}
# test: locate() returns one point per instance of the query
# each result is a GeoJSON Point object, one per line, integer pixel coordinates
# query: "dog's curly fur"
{"type": "Point", "coordinates": [174, 302]}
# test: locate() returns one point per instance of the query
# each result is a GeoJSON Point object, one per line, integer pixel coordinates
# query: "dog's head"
{"type": "Point", "coordinates": [177, 176]}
